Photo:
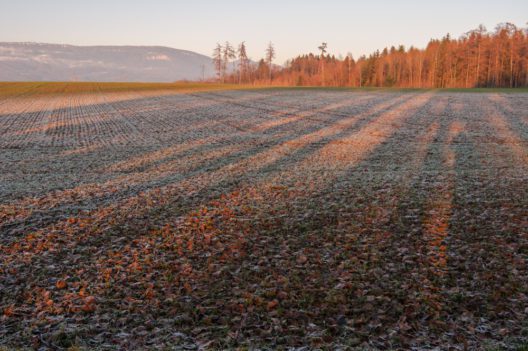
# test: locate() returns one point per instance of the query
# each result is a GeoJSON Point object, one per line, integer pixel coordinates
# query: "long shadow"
{"type": "Point", "coordinates": [418, 227]}
{"type": "Point", "coordinates": [231, 183]}
{"type": "Point", "coordinates": [136, 108]}
{"type": "Point", "coordinates": [205, 130]}
{"type": "Point", "coordinates": [310, 233]}
{"type": "Point", "coordinates": [267, 107]}
{"type": "Point", "coordinates": [489, 237]}
{"type": "Point", "coordinates": [247, 154]}
{"type": "Point", "coordinates": [358, 281]}
{"type": "Point", "coordinates": [116, 149]}
{"type": "Point", "coordinates": [255, 132]}
{"type": "Point", "coordinates": [379, 251]}
{"type": "Point", "coordinates": [321, 235]}
{"type": "Point", "coordinates": [389, 195]}
{"type": "Point", "coordinates": [209, 166]}
{"type": "Point", "coordinates": [135, 113]}
{"type": "Point", "coordinates": [512, 107]}
{"type": "Point", "coordinates": [513, 116]}
{"type": "Point", "coordinates": [131, 111]}
{"type": "Point", "coordinates": [294, 129]}
{"type": "Point", "coordinates": [121, 229]}
{"type": "Point", "coordinates": [458, 287]}
{"type": "Point", "coordinates": [206, 113]}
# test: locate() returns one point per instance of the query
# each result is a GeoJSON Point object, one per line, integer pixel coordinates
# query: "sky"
{"type": "Point", "coordinates": [294, 26]}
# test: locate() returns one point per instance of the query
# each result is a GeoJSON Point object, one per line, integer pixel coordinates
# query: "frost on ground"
{"type": "Point", "coordinates": [264, 218]}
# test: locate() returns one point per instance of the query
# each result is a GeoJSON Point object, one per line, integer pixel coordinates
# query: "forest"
{"type": "Point", "coordinates": [478, 59]}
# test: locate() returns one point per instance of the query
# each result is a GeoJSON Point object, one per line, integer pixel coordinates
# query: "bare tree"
{"type": "Point", "coordinates": [270, 55]}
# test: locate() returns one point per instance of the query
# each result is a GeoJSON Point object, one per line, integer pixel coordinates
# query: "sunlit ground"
{"type": "Point", "coordinates": [201, 217]}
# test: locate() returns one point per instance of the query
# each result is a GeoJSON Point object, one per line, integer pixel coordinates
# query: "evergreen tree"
{"type": "Point", "coordinates": [270, 55]}
{"type": "Point", "coordinates": [228, 55]}
{"type": "Point", "coordinates": [217, 60]}
{"type": "Point", "coordinates": [243, 63]}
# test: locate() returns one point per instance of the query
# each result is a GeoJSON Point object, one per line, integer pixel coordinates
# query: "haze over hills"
{"type": "Point", "coordinates": [54, 62]}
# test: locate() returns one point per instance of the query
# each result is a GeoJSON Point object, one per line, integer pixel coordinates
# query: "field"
{"type": "Point", "coordinates": [191, 217]}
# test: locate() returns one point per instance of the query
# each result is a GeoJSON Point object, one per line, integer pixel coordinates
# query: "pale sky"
{"type": "Point", "coordinates": [294, 26]}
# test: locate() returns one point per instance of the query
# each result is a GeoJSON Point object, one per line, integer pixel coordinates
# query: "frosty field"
{"type": "Point", "coordinates": [272, 218]}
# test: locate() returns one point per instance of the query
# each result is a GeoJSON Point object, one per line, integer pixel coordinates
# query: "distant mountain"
{"type": "Point", "coordinates": [52, 62]}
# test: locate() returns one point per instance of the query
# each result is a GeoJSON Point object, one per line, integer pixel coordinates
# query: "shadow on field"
{"type": "Point", "coordinates": [377, 227]}
{"type": "Point", "coordinates": [127, 186]}
{"type": "Point", "coordinates": [92, 249]}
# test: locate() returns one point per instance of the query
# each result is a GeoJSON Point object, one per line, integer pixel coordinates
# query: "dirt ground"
{"type": "Point", "coordinates": [272, 219]}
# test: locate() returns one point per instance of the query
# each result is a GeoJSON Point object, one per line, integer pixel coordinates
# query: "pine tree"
{"type": "Point", "coordinates": [322, 48]}
{"type": "Point", "coordinates": [270, 55]}
{"type": "Point", "coordinates": [228, 55]}
{"type": "Point", "coordinates": [217, 60]}
{"type": "Point", "coordinates": [243, 63]}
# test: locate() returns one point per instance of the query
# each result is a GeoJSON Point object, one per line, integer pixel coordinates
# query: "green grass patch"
{"type": "Point", "coordinates": [10, 89]}
{"type": "Point", "coordinates": [410, 90]}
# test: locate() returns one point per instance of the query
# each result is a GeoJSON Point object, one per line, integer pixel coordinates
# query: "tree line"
{"type": "Point", "coordinates": [479, 58]}
{"type": "Point", "coordinates": [242, 70]}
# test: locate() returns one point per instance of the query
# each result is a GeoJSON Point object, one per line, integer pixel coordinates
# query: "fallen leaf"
{"type": "Point", "coordinates": [272, 304]}
{"type": "Point", "coordinates": [61, 284]}
{"type": "Point", "coordinates": [302, 259]}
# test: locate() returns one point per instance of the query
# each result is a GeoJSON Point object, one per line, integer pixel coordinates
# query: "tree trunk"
{"type": "Point", "coordinates": [477, 78]}
{"type": "Point", "coordinates": [511, 64]}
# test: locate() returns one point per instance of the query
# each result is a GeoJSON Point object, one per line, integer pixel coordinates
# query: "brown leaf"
{"type": "Point", "coordinates": [272, 304]}
{"type": "Point", "coordinates": [89, 304]}
{"type": "Point", "coordinates": [9, 311]}
{"type": "Point", "coordinates": [302, 259]}
{"type": "Point", "coordinates": [282, 295]}
{"type": "Point", "coordinates": [61, 284]}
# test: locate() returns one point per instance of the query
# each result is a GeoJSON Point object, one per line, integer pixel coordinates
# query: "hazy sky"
{"type": "Point", "coordinates": [294, 26]}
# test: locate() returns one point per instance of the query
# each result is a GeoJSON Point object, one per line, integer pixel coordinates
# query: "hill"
{"type": "Point", "coordinates": [53, 62]}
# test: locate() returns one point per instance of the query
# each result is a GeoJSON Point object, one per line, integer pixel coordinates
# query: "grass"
{"type": "Point", "coordinates": [484, 90]}
{"type": "Point", "coordinates": [10, 89]}
{"type": "Point", "coordinates": [206, 219]}
{"type": "Point", "coordinates": [410, 90]}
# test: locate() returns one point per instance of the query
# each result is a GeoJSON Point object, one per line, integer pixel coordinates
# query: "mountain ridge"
{"type": "Point", "coordinates": [32, 61]}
